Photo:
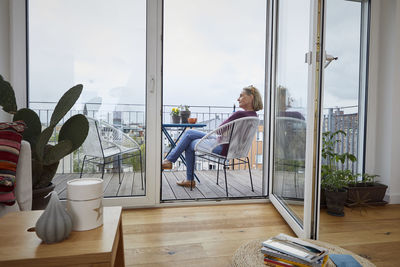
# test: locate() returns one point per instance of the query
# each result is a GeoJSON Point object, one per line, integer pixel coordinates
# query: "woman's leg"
{"type": "Point", "coordinates": [190, 160]}
{"type": "Point", "coordinates": [187, 138]}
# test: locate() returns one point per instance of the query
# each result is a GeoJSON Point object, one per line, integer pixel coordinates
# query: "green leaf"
{"type": "Point", "coordinates": [33, 125]}
{"type": "Point", "coordinates": [75, 130]}
{"type": "Point", "coordinates": [66, 102]}
{"type": "Point", "coordinates": [7, 97]}
{"type": "Point", "coordinates": [42, 141]}
{"type": "Point", "coordinates": [57, 152]}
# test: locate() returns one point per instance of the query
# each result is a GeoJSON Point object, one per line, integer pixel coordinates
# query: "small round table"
{"type": "Point", "coordinates": [249, 254]}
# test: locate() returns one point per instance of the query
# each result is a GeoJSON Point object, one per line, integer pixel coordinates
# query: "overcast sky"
{"type": "Point", "coordinates": [212, 49]}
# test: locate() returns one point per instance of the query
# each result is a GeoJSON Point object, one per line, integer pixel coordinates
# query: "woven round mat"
{"type": "Point", "coordinates": [249, 254]}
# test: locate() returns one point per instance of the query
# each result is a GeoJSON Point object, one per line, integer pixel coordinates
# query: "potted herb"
{"type": "Point", "coordinates": [334, 180]}
{"type": "Point", "coordinates": [185, 113]}
{"type": "Point", "coordinates": [46, 157]}
{"type": "Point", "coordinates": [365, 190]}
{"type": "Point", "coordinates": [175, 115]}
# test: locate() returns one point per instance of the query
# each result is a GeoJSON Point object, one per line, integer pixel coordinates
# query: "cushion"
{"type": "Point", "coordinates": [10, 145]}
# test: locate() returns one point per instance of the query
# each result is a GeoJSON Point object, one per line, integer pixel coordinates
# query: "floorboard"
{"type": "Point", "coordinates": [209, 235]}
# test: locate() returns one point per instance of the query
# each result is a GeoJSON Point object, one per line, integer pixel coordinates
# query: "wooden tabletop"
{"type": "Point", "coordinates": [19, 246]}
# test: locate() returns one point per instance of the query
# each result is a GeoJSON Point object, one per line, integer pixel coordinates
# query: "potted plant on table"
{"type": "Point", "coordinates": [175, 115]}
{"type": "Point", "coordinates": [185, 113]}
{"type": "Point", "coordinates": [46, 157]}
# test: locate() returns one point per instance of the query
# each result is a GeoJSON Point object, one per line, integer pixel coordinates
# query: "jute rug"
{"type": "Point", "coordinates": [249, 255]}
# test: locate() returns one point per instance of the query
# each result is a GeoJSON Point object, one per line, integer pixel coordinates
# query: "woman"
{"type": "Point", "coordinates": [249, 100]}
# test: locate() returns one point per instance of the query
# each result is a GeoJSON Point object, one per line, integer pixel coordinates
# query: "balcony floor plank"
{"type": "Point", "coordinates": [238, 184]}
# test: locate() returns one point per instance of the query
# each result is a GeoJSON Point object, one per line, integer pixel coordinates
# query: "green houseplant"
{"type": "Point", "coordinates": [46, 157]}
{"type": "Point", "coordinates": [334, 180]}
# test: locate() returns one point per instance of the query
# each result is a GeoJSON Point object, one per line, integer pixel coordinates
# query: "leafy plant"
{"type": "Point", "coordinates": [175, 112]}
{"type": "Point", "coordinates": [185, 107]}
{"type": "Point", "coordinates": [46, 157]}
{"type": "Point", "coordinates": [366, 179]}
{"type": "Point", "coordinates": [334, 179]}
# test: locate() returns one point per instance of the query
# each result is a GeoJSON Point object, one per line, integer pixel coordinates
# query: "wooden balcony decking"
{"type": "Point", "coordinates": [238, 185]}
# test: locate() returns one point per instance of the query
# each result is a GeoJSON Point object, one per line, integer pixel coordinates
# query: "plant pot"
{"type": "Point", "coordinates": [369, 193]}
{"type": "Point", "coordinates": [176, 119]}
{"type": "Point", "coordinates": [38, 200]}
{"type": "Point", "coordinates": [335, 202]}
{"type": "Point", "coordinates": [185, 116]}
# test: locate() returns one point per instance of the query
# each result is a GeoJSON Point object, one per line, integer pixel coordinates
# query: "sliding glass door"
{"type": "Point", "coordinates": [295, 111]}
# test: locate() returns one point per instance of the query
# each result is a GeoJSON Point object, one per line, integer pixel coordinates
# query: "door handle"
{"type": "Point", "coordinates": [329, 59]}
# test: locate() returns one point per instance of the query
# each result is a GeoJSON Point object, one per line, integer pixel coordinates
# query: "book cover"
{"type": "Point", "coordinates": [296, 247]}
{"type": "Point", "coordinates": [276, 262]}
{"type": "Point", "coordinates": [284, 256]}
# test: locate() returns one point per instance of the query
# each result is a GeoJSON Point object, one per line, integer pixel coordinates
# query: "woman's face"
{"type": "Point", "coordinates": [245, 101]}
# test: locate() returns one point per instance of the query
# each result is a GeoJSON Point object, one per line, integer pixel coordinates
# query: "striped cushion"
{"type": "Point", "coordinates": [10, 145]}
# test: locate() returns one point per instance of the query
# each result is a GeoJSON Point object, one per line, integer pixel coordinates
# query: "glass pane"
{"type": "Point", "coordinates": [211, 50]}
{"type": "Point", "coordinates": [290, 104]}
{"type": "Point", "coordinates": [102, 45]}
{"type": "Point", "coordinates": [342, 78]}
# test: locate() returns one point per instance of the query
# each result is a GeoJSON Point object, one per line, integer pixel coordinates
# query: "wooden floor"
{"type": "Point", "coordinates": [209, 235]}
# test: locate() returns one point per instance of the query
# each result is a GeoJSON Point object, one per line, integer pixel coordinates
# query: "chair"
{"type": "Point", "coordinates": [238, 135]}
{"type": "Point", "coordinates": [106, 144]}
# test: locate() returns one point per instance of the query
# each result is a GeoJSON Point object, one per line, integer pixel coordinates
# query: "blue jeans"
{"type": "Point", "coordinates": [187, 143]}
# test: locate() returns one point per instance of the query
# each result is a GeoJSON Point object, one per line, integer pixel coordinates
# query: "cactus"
{"type": "Point", "coordinates": [46, 157]}
{"type": "Point", "coordinates": [7, 97]}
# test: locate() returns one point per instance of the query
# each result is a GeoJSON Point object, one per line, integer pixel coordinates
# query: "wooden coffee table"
{"type": "Point", "coordinates": [102, 246]}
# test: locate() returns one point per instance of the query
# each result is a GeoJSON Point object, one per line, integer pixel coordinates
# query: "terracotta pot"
{"type": "Point", "coordinates": [38, 200]}
{"type": "Point", "coordinates": [192, 120]}
{"type": "Point", "coordinates": [335, 202]}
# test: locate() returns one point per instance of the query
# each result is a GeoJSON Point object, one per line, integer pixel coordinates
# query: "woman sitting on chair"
{"type": "Point", "coordinates": [249, 100]}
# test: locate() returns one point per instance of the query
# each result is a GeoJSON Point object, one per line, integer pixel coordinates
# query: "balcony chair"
{"type": "Point", "coordinates": [106, 144]}
{"type": "Point", "coordinates": [290, 149]}
{"type": "Point", "coordinates": [238, 135]}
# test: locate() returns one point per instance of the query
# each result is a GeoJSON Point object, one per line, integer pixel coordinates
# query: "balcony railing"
{"type": "Point", "coordinates": [131, 119]}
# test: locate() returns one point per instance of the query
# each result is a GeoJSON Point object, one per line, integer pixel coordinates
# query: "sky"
{"type": "Point", "coordinates": [212, 49]}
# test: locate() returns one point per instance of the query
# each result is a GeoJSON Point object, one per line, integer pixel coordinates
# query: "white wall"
{"type": "Point", "coordinates": [383, 117]}
{"type": "Point", "coordinates": [4, 48]}
{"type": "Point", "coordinates": [13, 49]}
{"type": "Point", "coordinates": [5, 40]}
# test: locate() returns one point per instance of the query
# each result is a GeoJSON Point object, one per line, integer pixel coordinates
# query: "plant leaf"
{"type": "Point", "coordinates": [7, 97]}
{"type": "Point", "coordinates": [57, 152]}
{"type": "Point", "coordinates": [66, 102]}
{"type": "Point", "coordinates": [42, 141]}
{"type": "Point", "coordinates": [33, 125]}
{"type": "Point", "coordinates": [75, 130]}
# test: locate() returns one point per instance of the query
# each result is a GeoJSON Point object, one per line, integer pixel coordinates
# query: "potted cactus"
{"type": "Point", "coordinates": [46, 157]}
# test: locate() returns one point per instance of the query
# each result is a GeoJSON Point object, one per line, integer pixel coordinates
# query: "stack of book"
{"type": "Point", "coordinates": [284, 250]}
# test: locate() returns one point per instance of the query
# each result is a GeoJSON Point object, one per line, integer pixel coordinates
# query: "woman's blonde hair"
{"type": "Point", "coordinates": [257, 100]}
